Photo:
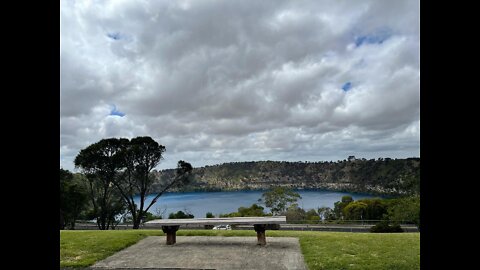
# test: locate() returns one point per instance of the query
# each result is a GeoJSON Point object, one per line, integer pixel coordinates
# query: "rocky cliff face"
{"type": "Point", "coordinates": [381, 176]}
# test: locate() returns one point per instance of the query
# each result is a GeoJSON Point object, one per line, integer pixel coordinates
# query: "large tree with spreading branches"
{"type": "Point", "coordinates": [101, 162]}
{"type": "Point", "coordinates": [125, 166]}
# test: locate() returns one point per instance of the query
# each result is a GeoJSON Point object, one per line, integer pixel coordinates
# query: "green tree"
{"type": "Point", "coordinates": [209, 215]}
{"type": "Point", "coordinates": [279, 199]}
{"type": "Point", "coordinates": [121, 169]}
{"type": "Point", "coordinates": [118, 208]}
{"type": "Point", "coordinates": [355, 211]}
{"type": "Point", "coordinates": [252, 211]}
{"type": "Point", "coordinates": [347, 199]}
{"type": "Point", "coordinates": [405, 210]}
{"type": "Point", "coordinates": [65, 177]}
{"type": "Point", "coordinates": [312, 216]}
{"type": "Point", "coordinates": [101, 162]}
{"type": "Point", "coordinates": [180, 214]}
{"type": "Point", "coordinates": [326, 213]}
{"type": "Point", "coordinates": [340, 205]}
{"type": "Point", "coordinates": [149, 216]}
{"type": "Point", "coordinates": [295, 214]}
{"type": "Point", "coordinates": [233, 214]}
{"type": "Point", "coordinates": [376, 209]}
{"type": "Point", "coordinates": [139, 157]}
{"type": "Point", "coordinates": [73, 199]}
{"type": "Point", "coordinates": [385, 227]}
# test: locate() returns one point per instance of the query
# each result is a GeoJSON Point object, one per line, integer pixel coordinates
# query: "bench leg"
{"type": "Point", "coordinates": [260, 229]}
{"type": "Point", "coordinates": [171, 232]}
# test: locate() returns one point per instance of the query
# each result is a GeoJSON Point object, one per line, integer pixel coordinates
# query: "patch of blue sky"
{"type": "Point", "coordinates": [378, 37]}
{"type": "Point", "coordinates": [114, 35]}
{"type": "Point", "coordinates": [347, 86]}
{"type": "Point", "coordinates": [116, 112]}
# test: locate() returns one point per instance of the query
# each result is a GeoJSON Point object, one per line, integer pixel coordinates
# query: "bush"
{"type": "Point", "coordinates": [149, 216]}
{"type": "Point", "coordinates": [385, 227]}
{"type": "Point", "coordinates": [209, 215]}
{"type": "Point", "coordinates": [295, 214]}
{"type": "Point", "coordinates": [180, 215]}
{"type": "Point", "coordinates": [253, 211]}
{"type": "Point", "coordinates": [313, 220]}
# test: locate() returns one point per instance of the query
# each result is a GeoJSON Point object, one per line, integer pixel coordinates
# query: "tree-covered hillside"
{"type": "Point", "coordinates": [382, 176]}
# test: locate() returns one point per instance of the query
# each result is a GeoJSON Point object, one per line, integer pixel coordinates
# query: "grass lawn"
{"type": "Point", "coordinates": [84, 248]}
{"type": "Point", "coordinates": [321, 250]}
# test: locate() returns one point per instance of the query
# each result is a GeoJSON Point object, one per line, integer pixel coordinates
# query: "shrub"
{"type": "Point", "coordinates": [209, 215]}
{"type": "Point", "coordinates": [180, 215]}
{"type": "Point", "coordinates": [385, 227]}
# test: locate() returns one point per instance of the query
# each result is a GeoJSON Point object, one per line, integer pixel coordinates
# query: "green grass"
{"type": "Point", "coordinates": [321, 250]}
{"type": "Point", "coordinates": [84, 248]}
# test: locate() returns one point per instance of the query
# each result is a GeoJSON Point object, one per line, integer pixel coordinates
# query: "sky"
{"type": "Point", "coordinates": [227, 81]}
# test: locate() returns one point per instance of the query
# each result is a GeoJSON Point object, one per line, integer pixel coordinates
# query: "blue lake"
{"type": "Point", "coordinates": [199, 203]}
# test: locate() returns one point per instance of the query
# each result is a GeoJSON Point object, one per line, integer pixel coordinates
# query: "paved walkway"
{"type": "Point", "coordinates": [206, 252]}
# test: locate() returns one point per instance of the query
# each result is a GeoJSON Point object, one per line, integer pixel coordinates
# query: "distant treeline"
{"type": "Point", "coordinates": [384, 176]}
{"type": "Point", "coordinates": [388, 212]}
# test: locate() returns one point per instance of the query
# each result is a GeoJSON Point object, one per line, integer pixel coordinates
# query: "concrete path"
{"type": "Point", "coordinates": [207, 252]}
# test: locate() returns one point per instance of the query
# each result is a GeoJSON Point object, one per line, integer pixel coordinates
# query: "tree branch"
{"type": "Point", "coordinates": [163, 191]}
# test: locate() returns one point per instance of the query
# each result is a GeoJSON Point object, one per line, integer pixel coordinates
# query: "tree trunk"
{"type": "Point", "coordinates": [103, 221]}
{"type": "Point", "coordinates": [136, 224]}
{"type": "Point", "coordinates": [137, 220]}
{"type": "Point", "coordinates": [74, 219]}
{"type": "Point", "coordinates": [62, 220]}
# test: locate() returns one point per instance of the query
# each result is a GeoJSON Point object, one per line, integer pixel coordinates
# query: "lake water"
{"type": "Point", "coordinates": [199, 203]}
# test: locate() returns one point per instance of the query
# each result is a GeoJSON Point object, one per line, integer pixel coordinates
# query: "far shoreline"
{"type": "Point", "coordinates": [384, 196]}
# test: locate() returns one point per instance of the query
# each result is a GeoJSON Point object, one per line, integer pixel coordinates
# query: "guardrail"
{"type": "Point", "coordinates": [298, 225]}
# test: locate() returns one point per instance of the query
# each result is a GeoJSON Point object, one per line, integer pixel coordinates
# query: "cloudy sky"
{"type": "Point", "coordinates": [222, 81]}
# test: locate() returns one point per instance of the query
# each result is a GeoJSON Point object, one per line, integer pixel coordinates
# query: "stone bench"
{"type": "Point", "coordinates": [260, 224]}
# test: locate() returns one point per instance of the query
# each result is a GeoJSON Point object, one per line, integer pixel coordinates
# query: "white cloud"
{"type": "Point", "coordinates": [219, 81]}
